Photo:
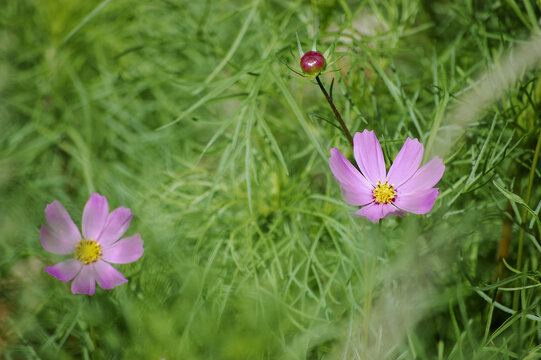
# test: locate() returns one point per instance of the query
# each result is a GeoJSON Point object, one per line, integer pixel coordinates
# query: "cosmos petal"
{"type": "Point", "coordinates": [425, 178]}
{"type": "Point", "coordinates": [406, 163]}
{"type": "Point", "coordinates": [61, 235]}
{"type": "Point", "coordinates": [94, 216]}
{"type": "Point", "coordinates": [116, 225]}
{"type": "Point", "coordinates": [419, 202]}
{"type": "Point", "coordinates": [369, 156]}
{"type": "Point", "coordinates": [85, 281]}
{"type": "Point", "coordinates": [124, 251]}
{"type": "Point", "coordinates": [374, 212]}
{"type": "Point", "coordinates": [107, 276]}
{"type": "Point", "coordinates": [356, 190]}
{"type": "Point", "coordinates": [66, 270]}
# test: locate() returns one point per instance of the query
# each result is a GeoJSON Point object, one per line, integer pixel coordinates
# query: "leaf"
{"type": "Point", "coordinates": [517, 199]}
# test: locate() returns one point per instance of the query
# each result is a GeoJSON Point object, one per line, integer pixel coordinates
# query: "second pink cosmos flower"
{"type": "Point", "coordinates": [100, 245]}
{"type": "Point", "coordinates": [406, 187]}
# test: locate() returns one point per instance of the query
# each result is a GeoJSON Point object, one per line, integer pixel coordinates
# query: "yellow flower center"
{"type": "Point", "coordinates": [383, 193]}
{"type": "Point", "coordinates": [87, 251]}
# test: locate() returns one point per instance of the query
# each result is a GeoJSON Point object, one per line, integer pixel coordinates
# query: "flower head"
{"type": "Point", "coordinates": [95, 250]}
{"type": "Point", "coordinates": [406, 187]}
{"type": "Point", "coordinates": [312, 63]}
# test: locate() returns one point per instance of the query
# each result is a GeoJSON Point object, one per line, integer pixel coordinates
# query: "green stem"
{"type": "Point", "coordinates": [365, 339]}
{"type": "Point", "coordinates": [336, 113]}
{"type": "Point", "coordinates": [525, 214]}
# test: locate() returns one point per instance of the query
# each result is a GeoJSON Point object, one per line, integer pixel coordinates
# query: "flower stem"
{"type": "Point", "coordinates": [525, 214]}
{"type": "Point", "coordinates": [336, 113]}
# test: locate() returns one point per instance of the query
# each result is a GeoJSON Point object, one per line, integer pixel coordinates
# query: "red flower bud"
{"type": "Point", "coordinates": [312, 63]}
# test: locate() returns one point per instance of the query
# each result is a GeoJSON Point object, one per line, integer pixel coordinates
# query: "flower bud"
{"type": "Point", "coordinates": [312, 63]}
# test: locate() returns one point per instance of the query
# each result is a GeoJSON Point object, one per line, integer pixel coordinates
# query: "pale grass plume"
{"type": "Point", "coordinates": [487, 89]}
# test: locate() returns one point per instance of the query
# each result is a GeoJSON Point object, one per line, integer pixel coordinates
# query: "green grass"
{"type": "Point", "coordinates": [185, 112]}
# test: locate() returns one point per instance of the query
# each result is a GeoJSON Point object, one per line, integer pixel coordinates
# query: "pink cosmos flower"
{"type": "Point", "coordinates": [95, 250]}
{"type": "Point", "coordinates": [406, 187]}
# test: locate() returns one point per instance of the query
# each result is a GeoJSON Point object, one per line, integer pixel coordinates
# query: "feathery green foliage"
{"type": "Point", "coordinates": [184, 112]}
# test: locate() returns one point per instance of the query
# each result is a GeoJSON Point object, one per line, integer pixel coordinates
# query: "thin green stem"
{"type": "Point", "coordinates": [525, 214]}
{"type": "Point", "coordinates": [369, 297]}
{"type": "Point", "coordinates": [336, 113]}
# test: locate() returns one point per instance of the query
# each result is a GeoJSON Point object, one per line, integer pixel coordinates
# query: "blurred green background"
{"type": "Point", "coordinates": [185, 112]}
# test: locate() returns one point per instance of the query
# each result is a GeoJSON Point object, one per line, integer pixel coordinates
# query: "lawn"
{"type": "Point", "coordinates": [197, 116]}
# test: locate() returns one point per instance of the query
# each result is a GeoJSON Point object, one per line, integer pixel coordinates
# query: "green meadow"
{"type": "Point", "coordinates": [195, 115]}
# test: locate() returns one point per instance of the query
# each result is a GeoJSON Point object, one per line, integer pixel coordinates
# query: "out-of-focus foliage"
{"type": "Point", "coordinates": [184, 112]}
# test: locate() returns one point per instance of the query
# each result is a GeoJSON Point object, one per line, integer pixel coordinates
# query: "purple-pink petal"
{"type": "Point", "coordinates": [356, 190]}
{"type": "Point", "coordinates": [66, 270]}
{"type": "Point", "coordinates": [55, 243]}
{"type": "Point", "coordinates": [124, 251]}
{"type": "Point", "coordinates": [61, 235]}
{"type": "Point", "coordinates": [425, 178]}
{"type": "Point", "coordinates": [85, 281]}
{"type": "Point", "coordinates": [116, 225]}
{"type": "Point", "coordinates": [374, 212]}
{"type": "Point", "coordinates": [419, 202]}
{"type": "Point", "coordinates": [107, 276]}
{"type": "Point", "coordinates": [406, 162]}
{"type": "Point", "coordinates": [94, 216]}
{"type": "Point", "coordinates": [369, 157]}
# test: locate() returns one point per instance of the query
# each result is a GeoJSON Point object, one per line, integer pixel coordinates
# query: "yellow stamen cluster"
{"type": "Point", "coordinates": [383, 193]}
{"type": "Point", "coordinates": [87, 251]}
